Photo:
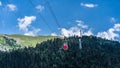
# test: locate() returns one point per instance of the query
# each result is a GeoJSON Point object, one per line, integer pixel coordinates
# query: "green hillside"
{"type": "Point", "coordinates": [30, 40]}
{"type": "Point", "coordinates": [95, 53]}
{"type": "Point", "coordinates": [20, 41]}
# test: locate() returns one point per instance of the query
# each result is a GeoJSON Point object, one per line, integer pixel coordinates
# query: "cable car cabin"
{"type": "Point", "coordinates": [65, 46]}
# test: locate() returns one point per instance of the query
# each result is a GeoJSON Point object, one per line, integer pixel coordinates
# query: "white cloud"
{"type": "Point", "coordinates": [40, 8]}
{"type": "Point", "coordinates": [70, 32]}
{"type": "Point", "coordinates": [81, 24]}
{"type": "Point", "coordinates": [117, 27]}
{"type": "Point", "coordinates": [112, 19]}
{"type": "Point", "coordinates": [89, 5]}
{"type": "Point", "coordinates": [25, 23]}
{"type": "Point", "coordinates": [88, 33]}
{"type": "Point", "coordinates": [111, 33]}
{"type": "Point", "coordinates": [0, 3]}
{"type": "Point", "coordinates": [53, 34]}
{"type": "Point", "coordinates": [32, 33]}
{"type": "Point", "coordinates": [12, 7]}
{"type": "Point", "coordinates": [76, 30]}
{"type": "Point", "coordinates": [103, 35]}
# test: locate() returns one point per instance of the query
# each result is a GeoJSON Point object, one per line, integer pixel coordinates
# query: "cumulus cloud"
{"type": "Point", "coordinates": [25, 23]}
{"type": "Point", "coordinates": [53, 34]}
{"type": "Point", "coordinates": [88, 33]}
{"type": "Point", "coordinates": [112, 20]}
{"type": "Point", "coordinates": [76, 30]}
{"type": "Point", "coordinates": [88, 5]}
{"type": "Point", "coordinates": [40, 8]}
{"type": "Point", "coordinates": [81, 24]}
{"type": "Point", "coordinates": [0, 3]}
{"type": "Point", "coordinates": [70, 32]}
{"type": "Point", "coordinates": [111, 33]}
{"type": "Point", "coordinates": [117, 27]}
{"type": "Point", "coordinates": [12, 7]}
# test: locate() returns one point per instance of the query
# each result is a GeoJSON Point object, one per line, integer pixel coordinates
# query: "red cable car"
{"type": "Point", "coordinates": [65, 46]}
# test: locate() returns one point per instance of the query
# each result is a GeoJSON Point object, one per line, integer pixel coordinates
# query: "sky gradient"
{"type": "Point", "coordinates": [61, 17]}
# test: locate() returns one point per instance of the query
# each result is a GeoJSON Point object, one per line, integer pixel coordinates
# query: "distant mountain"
{"type": "Point", "coordinates": [9, 42]}
{"type": "Point", "coordinates": [95, 53]}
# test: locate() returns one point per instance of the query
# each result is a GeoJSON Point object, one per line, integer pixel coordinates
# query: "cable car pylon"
{"type": "Point", "coordinates": [80, 42]}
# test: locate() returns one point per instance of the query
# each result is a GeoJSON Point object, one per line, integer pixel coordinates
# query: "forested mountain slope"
{"type": "Point", "coordinates": [95, 53]}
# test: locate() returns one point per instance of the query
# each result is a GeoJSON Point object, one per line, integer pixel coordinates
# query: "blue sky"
{"type": "Point", "coordinates": [93, 17]}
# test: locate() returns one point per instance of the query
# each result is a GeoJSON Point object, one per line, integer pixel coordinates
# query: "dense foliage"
{"type": "Point", "coordinates": [95, 53]}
